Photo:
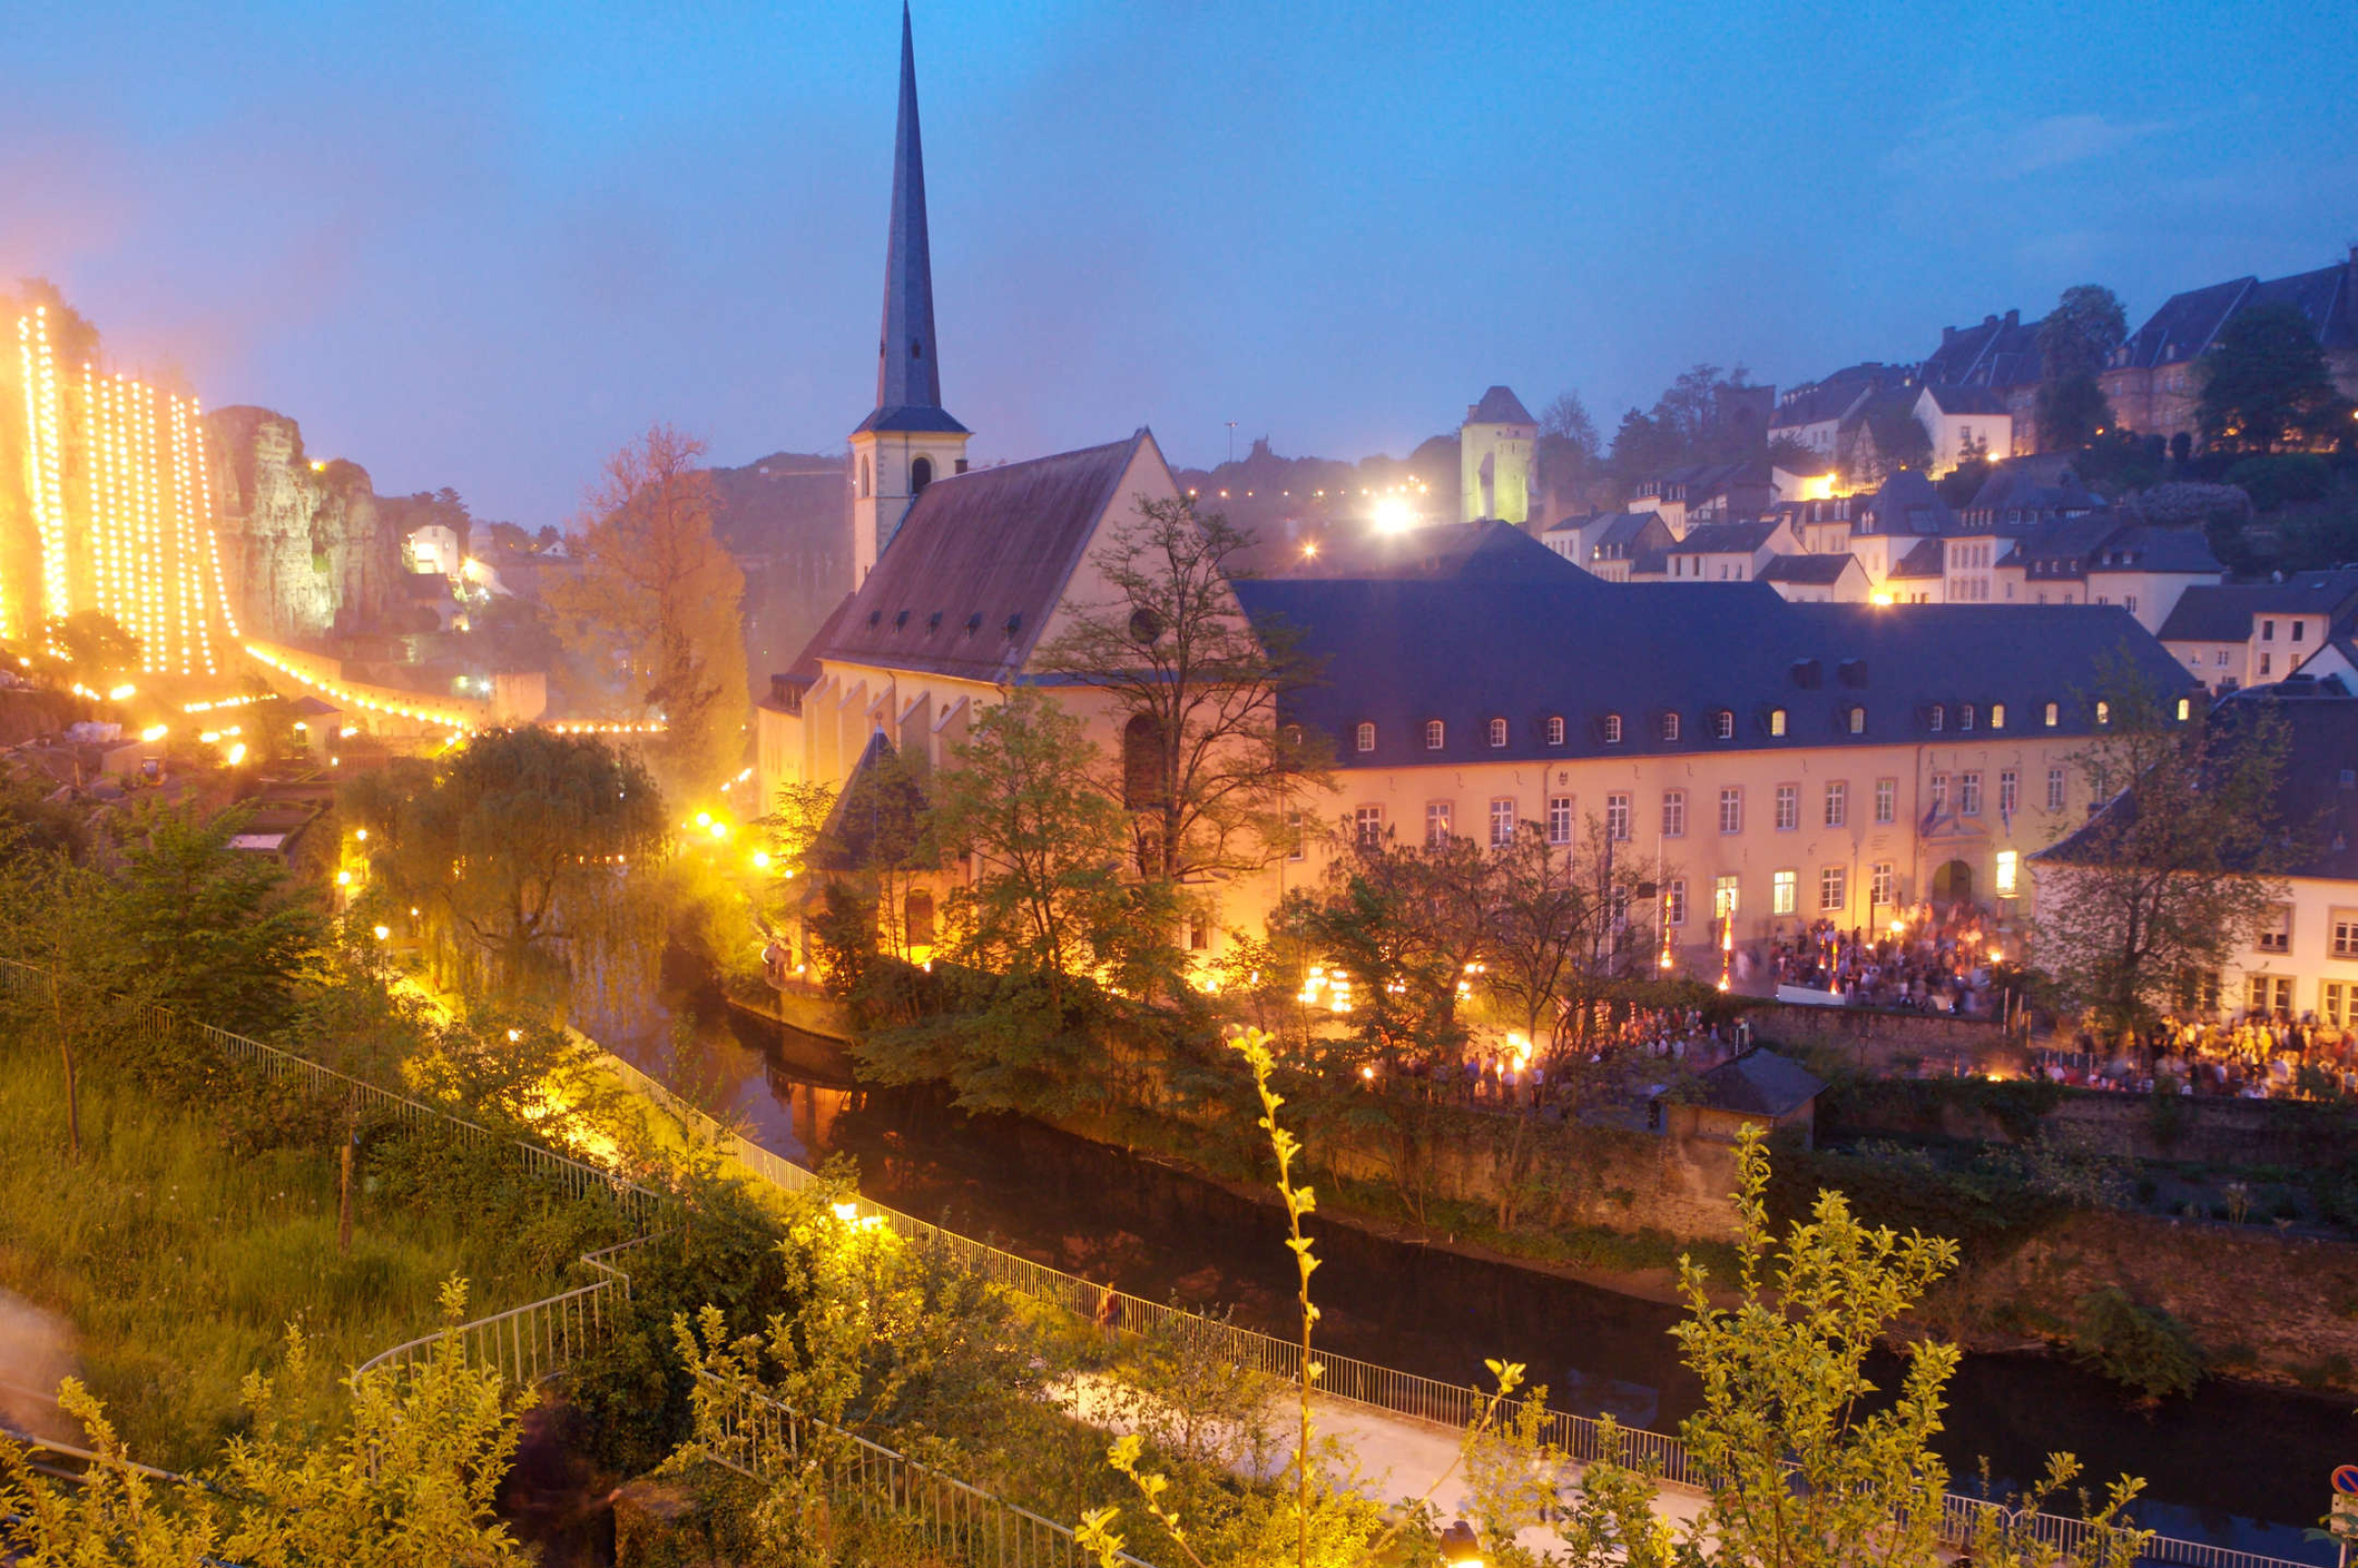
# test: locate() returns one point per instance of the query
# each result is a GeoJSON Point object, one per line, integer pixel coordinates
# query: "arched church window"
{"type": "Point", "coordinates": [1142, 763]}
{"type": "Point", "coordinates": [864, 484]}
{"type": "Point", "coordinates": [921, 475]}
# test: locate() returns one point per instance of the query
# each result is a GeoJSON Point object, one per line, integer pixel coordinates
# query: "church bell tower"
{"type": "Point", "coordinates": [909, 440]}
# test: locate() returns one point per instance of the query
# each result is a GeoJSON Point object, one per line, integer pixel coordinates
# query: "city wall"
{"type": "Point", "coordinates": [2196, 1129]}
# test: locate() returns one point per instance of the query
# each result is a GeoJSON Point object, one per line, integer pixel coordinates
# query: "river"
{"type": "Point", "coordinates": [2239, 1465]}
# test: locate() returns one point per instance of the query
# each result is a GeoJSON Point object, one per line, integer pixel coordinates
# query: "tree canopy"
{"type": "Point", "coordinates": [2265, 384]}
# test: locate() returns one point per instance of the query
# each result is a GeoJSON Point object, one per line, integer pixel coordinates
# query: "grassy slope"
{"type": "Point", "coordinates": [180, 1265]}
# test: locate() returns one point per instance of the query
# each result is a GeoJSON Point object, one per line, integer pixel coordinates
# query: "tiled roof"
{"type": "Point", "coordinates": [1926, 559]}
{"type": "Point", "coordinates": [1821, 571]}
{"type": "Point", "coordinates": [2145, 547]}
{"type": "Point", "coordinates": [1398, 653]}
{"type": "Point", "coordinates": [979, 564]}
{"type": "Point", "coordinates": [1905, 503]}
{"type": "Point", "coordinates": [1487, 550]}
{"type": "Point", "coordinates": [1999, 352]}
{"type": "Point", "coordinates": [2222, 612]}
{"type": "Point", "coordinates": [1759, 1082]}
{"type": "Point", "coordinates": [1498, 406]}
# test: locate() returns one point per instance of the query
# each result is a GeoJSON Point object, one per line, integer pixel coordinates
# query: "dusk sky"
{"type": "Point", "coordinates": [482, 245]}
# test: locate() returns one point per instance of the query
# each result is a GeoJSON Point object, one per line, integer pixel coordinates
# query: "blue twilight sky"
{"type": "Point", "coordinates": [482, 245]}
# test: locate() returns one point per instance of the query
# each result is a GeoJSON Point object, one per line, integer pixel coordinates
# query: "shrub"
{"type": "Point", "coordinates": [2140, 1348]}
{"type": "Point", "coordinates": [2271, 482]}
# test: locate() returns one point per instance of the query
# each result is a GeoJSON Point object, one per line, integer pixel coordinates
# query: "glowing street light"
{"type": "Point", "coordinates": [1394, 515]}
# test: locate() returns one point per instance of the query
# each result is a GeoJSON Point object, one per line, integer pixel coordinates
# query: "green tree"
{"type": "Point", "coordinates": [656, 603]}
{"type": "Point", "coordinates": [1205, 773]}
{"type": "Point", "coordinates": [2176, 870]}
{"type": "Point", "coordinates": [2265, 384]}
{"type": "Point", "coordinates": [2071, 412]}
{"type": "Point", "coordinates": [1804, 1462]}
{"type": "Point", "coordinates": [225, 936]}
{"type": "Point", "coordinates": [519, 844]}
{"type": "Point", "coordinates": [2078, 336]}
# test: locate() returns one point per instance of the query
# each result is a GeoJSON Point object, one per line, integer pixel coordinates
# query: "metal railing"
{"type": "Point", "coordinates": [536, 1341]}
{"type": "Point", "coordinates": [963, 1523]}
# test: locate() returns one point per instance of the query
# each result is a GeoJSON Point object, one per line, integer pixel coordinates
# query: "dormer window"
{"type": "Point", "coordinates": [1937, 716]}
{"type": "Point", "coordinates": [2185, 709]}
{"type": "Point", "coordinates": [1776, 721]}
{"type": "Point", "coordinates": [2054, 716]}
{"type": "Point", "coordinates": [1723, 725]}
{"type": "Point", "coordinates": [1365, 739]}
{"type": "Point", "coordinates": [1965, 717]}
{"type": "Point", "coordinates": [1858, 722]}
{"type": "Point", "coordinates": [1612, 729]}
{"type": "Point", "coordinates": [1435, 734]}
{"type": "Point", "coordinates": [1998, 716]}
{"type": "Point", "coordinates": [1497, 732]}
{"type": "Point", "coordinates": [1669, 726]}
{"type": "Point", "coordinates": [2104, 712]}
{"type": "Point", "coordinates": [1556, 729]}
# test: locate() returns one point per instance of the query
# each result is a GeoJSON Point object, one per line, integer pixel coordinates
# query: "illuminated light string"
{"type": "Point", "coordinates": [456, 722]}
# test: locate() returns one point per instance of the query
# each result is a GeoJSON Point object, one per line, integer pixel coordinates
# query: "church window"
{"type": "Point", "coordinates": [1858, 722]}
{"type": "Point", "coordinates": [1366, 740]}
{"type": "Point", "coordinates": [1555, 730]}
{"type": "Point", "coordinates": [1497, 732]}
{"type": "Point", "coordinates": [2052, 716]}
{"type": "Point", "coordinates": [1434, 733]}
{"type": "Point", "coordinates": [921, 475]}
{"type": "Point", "coordinates": [1998, 716]}
{"type": "Point", "coordinates": [1965, 717]}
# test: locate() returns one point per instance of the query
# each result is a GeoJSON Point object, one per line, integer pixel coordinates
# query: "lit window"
{"type": "Point", "coordinates": [1669, 726]}
{"type": "Point", "coordinates": [1559, 818]}
{"type": "Point", "coordinates": [2052, 715]}
{"type": "Point", "coordinates": [1502, 821]}
{"type": "Point", "coordinates": [1998, 716]}
{"type": "Point", "coordinates": [1731, 810]}
{"type": "Point", "coordinates": [1497, 732]}
{"type": "Point", "coordinates": [1783, 887]}
{"type": "Point", "coordinates": [1723, 725]}
{"type": "Point", "coordinates": [2334, 1002]}
{"type": "Point", "coordinates": [2008, 869]}
{"type": "Point", "coordinates": [1939, 793]}
{"type": "Point", "coordinates": [1294, 841]}
{"type": "Point", "coordinates": [2104, 712]}
{"type": "Point", "coordinates": [1788, 808]}
{"type": "Point", "coordinates": [1723, 897]}
{"type": "Point", "coordinates": [1674, 813]}
{"type": "Point", "coordinates": [1368, 824]}
{"type": "Point", "coordinates": [1366, 740]}
{"type": "Point", "coordinates": [1776, 721]}
{"type": "Point", "coordinates": [2185, 709]}
{"type": "Point", "coordinates": [1833, 889]}
{"type": "Point", "coordinates": [1887, 802]}
{"type": "Point", "coordinates": [1555, 731]}
{"type": "Point", "coordinates": [1436, 822]}
{"type": "Point", "coordinates": [1616, 817]}
{"type": "Point", "coordinates": [1612, 729]}
{"type": "Point", "coordinates": [1434, 734]}
{"type": "Point", "coordinates": [2345, 933]}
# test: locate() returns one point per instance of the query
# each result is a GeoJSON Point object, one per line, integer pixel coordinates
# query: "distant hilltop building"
{"type": "Point", "coordinates": [1495, 453]}
{"type": "Point", "coordinates": [2153, 382]}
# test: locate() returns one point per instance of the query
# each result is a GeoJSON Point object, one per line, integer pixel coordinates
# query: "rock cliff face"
{"type": "Point", "coordinates": [305, 552]}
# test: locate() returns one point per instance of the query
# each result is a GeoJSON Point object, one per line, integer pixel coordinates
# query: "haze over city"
{"type": "Point", "coordinates": [478, 247]}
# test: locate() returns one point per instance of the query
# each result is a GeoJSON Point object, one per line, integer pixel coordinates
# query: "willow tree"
{"type": "Point", "coordinates": [656, 603]}
{"type": "Point", "coordinates": [517, 851]}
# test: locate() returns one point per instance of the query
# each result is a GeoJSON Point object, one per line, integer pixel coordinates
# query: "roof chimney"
{"type": "Point", "coordinates": [1989, 321]}
{"type": "Point", "coordinates": [2013, 318]}
{"type": "Point", "coordinates": [1948, 335]}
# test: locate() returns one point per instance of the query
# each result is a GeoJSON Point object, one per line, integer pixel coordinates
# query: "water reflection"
{"type": "Point", "coordinates": [2237, 1465]}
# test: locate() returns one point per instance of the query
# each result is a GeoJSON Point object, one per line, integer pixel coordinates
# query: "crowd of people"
{"type": "Point", "coordinates": [2260, 1056]}
{"type": "Point", "coordinates": [1928, 960]}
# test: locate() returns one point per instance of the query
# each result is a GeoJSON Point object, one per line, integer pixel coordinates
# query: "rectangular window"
{"type": "Point", "coordinates": [2333, 1003]}
{"type": "Point", "coordinates": [1502, 821]}
{"type": "Point", "coordinates": [2268, 630]}
{"type": "Point", "coordinates": [1674, 813]}
{"type": "Point", "coordinates": [1436, 821]}
{"type": "Point", "coordinates": [2298, 627]}
{"type": "Point", "coordinates": [1783, 886]}
{"type": "Point", "coordinates": [2276, 929]}
{"type": "Point", "coordinates": [2054, 789]}
{"type": "Point", "coordinates": [1884, 886]}
{"type": "Point", "coordinates": [2009, 871]}
{"type": "Point", "coordinates": [2272, 993]}
{"type": "Point", "coordinates": [1938, 793]}
{"type": "Point", "coordinates": [1616, 817]}
{"type": "Point", "coordinates": [1887, 802]}
{"type": "Point", "coordinates": [2266, 662]}
{"type": "Point", "coordinates": [1731, 810]}
{"type": "Point", "coordinates": [1833, 889]}
{"type": "Point", "coordinates": [2009, 792]}
{"type": "Point", "coordinates": [2345, 933]}
{"type": "Point", "coordinates": [1969, 794]}
{"type": "Point", "coordinates": [1368, 824]}
{"type": "Point", "coordinates": [1723, 897]}
{"type": "Point", "coordinates": [1675, 901]}
{"type": "Point", "coordinates": [1788, 808]}
{"type": "Point", "coordinates": [1837, 804]}
{"type": "Point", "coordinates": [1294, 841]}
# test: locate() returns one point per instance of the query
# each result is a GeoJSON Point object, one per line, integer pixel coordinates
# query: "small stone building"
{"type": "Point", "coordinates": [1759, 1089]}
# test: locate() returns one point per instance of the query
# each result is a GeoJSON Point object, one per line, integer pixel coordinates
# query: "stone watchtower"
{"type": "Point", "coordinates": [1494, 451]}
{"type": "Point", "coordinates": [909, 440]}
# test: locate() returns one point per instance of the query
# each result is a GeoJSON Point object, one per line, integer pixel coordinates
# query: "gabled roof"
{"type": "Point", "coordinates": [1965, 399]}
{"type": "Point", "coordinates": [1759, 1083]}
{"type": "Point", "coordinates": [2188, 323]}
{"type": "Point", "coordinates": [1926, 559]}
{"type": "Point", "coordinates": [2148, 547]}
{"type": "Point", "coordinates": [1498, 406]}
{"type": "Point", "coordinates": [1819, 570]}
{"type": "Point", "coordinates": [1725, 538]}
{"type": "Point", "coordinates": [979, 565]}
{"type": "Point", "coordinates": [1835, 396]}
{"type": "Point", "coordinates": [1633, 531]}
{"type": "Point", "coordinates": [2222, 612]}
{"type": "Point", "coordinates": [2000, 352]}
{"type": "Point", "coordinates": [1905, 503]}
{"type": "Point", "coordinates": [2063, 549]}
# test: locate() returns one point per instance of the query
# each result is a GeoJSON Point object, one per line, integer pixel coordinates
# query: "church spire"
{"type": "Point", "coordinates": [908, 375]}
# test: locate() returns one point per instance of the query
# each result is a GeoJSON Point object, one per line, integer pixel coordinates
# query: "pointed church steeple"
{"type": "Point", "coordinates": [910, 439]}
